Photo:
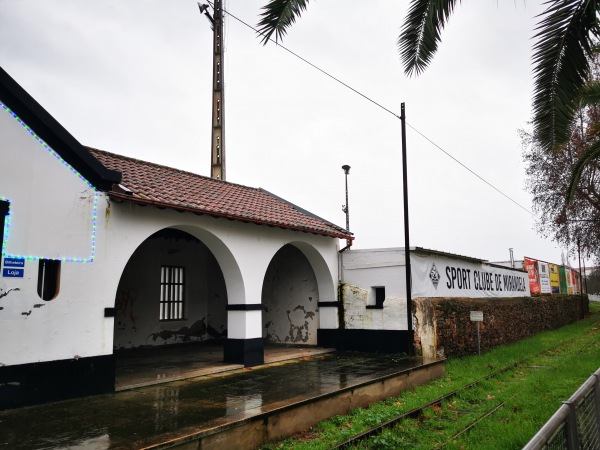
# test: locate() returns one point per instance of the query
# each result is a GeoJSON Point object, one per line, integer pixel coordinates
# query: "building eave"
{"type": "Point", "coordinates": [123, 197]}
{"type": "Point", "coordinates": [54, 134]}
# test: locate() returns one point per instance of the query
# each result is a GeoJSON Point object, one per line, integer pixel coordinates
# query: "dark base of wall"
{"type": "Point", "coordinates": [249, 352]}
{"type": "Point", "coordinates": [32, 384]}
{"type": "Point", "coordinates": [374, 341]}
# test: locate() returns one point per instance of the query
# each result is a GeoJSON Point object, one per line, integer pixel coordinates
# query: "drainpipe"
{"type": "Point", "coordinates": [340, 262]}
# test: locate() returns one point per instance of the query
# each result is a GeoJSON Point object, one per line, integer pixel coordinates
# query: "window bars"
{"type": "Point", "coordinates": [171, 293]}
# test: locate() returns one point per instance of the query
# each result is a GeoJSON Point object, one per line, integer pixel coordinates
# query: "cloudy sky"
{"type": "Point", "coordinates": [134, 77]}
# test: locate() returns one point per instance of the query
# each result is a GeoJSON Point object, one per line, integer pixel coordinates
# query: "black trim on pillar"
{"type": "Point", "coordinates": [374, 341]}
{"type": "Point", "coordinates": [328, 304]}
{"type": "Point", "coordinates": [43, 382]}
{"type": "Point", "coordinates": [327, 338]}
{"type": "Point", "coordinates": [245, 307]}
{"type": "Point", "coordinates": [249, 352]}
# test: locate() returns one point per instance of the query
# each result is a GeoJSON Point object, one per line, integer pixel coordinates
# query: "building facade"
{"type": "Point", "coordinates": [102, 253]}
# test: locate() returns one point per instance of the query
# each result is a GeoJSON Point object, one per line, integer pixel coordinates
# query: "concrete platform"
{"type": "Point", "coordinates": [146, 367]}
{"type": "Point", "coordinates": [238, 409]}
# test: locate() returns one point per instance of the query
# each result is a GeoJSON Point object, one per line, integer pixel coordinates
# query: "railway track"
{"type": "Point", "coordinates": [417, 414]}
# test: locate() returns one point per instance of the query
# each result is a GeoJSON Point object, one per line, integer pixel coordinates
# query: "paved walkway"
{"type": "Point", "coordinates": [133, 418]}
{"type": "Point", "coordinates": [145, 367]}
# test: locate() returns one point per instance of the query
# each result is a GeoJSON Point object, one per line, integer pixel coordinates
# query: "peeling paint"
{"type": "Point", "coordinates": [290, 295]}
{"type": "Point", "coordinates": [5, 294]}
{"type": "Point", "coordinates": [184, 334]}
{"type": "Point", "coordinates": [298, 331]}
{"type": "Point", "coordinates": [138, 294]}
{"type": "Point", "coordinates": [217, 334]}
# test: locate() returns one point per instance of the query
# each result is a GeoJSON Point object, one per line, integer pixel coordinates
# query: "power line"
{"type": "Point", "coordinates": [380, 106]}
{"type": "Point", "coordinates": [473, 172]}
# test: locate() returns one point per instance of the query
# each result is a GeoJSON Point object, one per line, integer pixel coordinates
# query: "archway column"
{"type": "Point", "coordinates": [244, 344]}
{"type": "Point", "coordinates": [324, 266]}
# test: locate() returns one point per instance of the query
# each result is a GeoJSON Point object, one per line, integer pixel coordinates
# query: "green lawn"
{"type": "Point", "coordinates": [557, 363]}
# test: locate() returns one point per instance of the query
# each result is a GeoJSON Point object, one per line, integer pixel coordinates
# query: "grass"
{"type": "Point", "coordinates": [559, 362]}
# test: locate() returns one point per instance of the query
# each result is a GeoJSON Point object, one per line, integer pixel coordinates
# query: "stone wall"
{"type": "Point", "coordinates": [443, 326]}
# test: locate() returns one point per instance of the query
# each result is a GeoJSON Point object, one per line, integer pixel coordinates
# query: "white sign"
{"type": "Point", "coordinates": [545, 287]}
{"type": "Point", "coordinates": [476, 316]}
{"type": "Point", "coordinates": [441, 276]}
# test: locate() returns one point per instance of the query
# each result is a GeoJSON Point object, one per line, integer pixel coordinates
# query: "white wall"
{"type": "Point", "coordinates": [48, 218]}
{"type": "Point", "coordinates": [205, 298]}
{"type": "Point", "coordinates": [73, 325]}
{"type": "Point", "coordinates": [290, 296]}
{"type": "Point", "coordinates": [51, 216]}
{"type": "Point", "coordinates": [362, 271]}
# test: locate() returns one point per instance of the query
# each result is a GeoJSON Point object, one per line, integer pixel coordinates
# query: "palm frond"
{"type": "Point", "coordinates": [420, 35]}
{"type": "Point", "coordinates": [589, 94]}
{"type": "Point", "coordinates": [278, 16]}
{"type": "Point", "coordinates": [589, 154]}
{"type": "Point", "coordinates": [564, 46]}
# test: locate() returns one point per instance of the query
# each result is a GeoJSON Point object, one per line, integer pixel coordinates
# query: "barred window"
{"type": "Point", "coordinates": [171, 293]}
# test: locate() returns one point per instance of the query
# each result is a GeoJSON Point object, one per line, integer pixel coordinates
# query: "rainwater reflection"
{"type": "Point", "coordinates": [132, 417]}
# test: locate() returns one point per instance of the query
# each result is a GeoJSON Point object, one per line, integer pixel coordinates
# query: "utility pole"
{"type": "Point", "coordinates": [217, 167]}
{"type": "Point", "coordinates": [406, 234]}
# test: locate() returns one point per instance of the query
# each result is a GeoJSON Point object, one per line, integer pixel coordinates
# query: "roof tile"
{"type": "Point", "coordinates": [177, 189]}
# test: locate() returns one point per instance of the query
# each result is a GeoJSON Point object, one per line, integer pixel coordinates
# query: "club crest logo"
{"type": "Point", "coordinates": [434, 275]}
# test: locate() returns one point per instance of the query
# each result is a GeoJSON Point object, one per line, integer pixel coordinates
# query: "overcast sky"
{"type": "Point", "coordinates": [134, 77]}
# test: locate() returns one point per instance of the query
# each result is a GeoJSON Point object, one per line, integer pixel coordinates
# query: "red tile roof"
{"type": "Point", "coordinates": [153, 184]}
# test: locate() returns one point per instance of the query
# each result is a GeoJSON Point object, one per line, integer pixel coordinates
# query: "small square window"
{"type": "Point", "coordinates": [172, 290]}
{"type": "Point", "coordinates": [379, 294]}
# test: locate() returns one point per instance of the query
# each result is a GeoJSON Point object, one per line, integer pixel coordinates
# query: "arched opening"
{"type": "Point", "coordinates": [170, 309]}
{"type": "Point", "coordinates": [290, 297]}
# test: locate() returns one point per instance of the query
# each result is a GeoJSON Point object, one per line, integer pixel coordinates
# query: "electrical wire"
{"type": "Point", "coordinates": [378, 105]}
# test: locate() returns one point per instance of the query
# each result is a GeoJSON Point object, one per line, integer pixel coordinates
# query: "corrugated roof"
{"type": "Point", "coordinates": [153, 184]}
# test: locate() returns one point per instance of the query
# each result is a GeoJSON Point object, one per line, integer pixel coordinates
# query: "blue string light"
{"type": "Point", "coordinates": [72, 169]}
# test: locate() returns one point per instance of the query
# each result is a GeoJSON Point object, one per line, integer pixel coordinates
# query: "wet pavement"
{"type": "Point", "coordinates": [138, 417]}
{"type": "Point", "coordinates": [145, 367]}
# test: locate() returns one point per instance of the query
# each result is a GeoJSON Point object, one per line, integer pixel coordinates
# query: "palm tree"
{"type": "Point", "coordinates": [589, 97]}
{"type": "Point", "coordinates": [564, 44]}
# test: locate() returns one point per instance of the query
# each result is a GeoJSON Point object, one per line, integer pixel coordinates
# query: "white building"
{"type": "Point", "coordinates": [103, 252]}
{"type": "Point", "coordinates": [374, 291]}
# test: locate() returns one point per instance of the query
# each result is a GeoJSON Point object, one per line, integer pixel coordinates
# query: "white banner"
{"type": "Point", "coordinates": [439, 276]}
{"type": "Point", "coordinates": [545, 287]}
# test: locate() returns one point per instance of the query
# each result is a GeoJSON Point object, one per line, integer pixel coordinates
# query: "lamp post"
{"type": "Point", "coordinates": [345, 207]}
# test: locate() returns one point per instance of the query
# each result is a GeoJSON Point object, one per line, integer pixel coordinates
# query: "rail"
{"type": "Point", "coordinates": [416, 412]}
{"type": "Point", "coordinates": [576, 424]}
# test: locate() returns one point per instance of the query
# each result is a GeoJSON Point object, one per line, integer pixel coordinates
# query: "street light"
{"type": "Point", "coordinates": [345, 207]}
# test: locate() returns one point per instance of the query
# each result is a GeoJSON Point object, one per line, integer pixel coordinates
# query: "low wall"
{"type": "Point", "coordinates": [443, 326]}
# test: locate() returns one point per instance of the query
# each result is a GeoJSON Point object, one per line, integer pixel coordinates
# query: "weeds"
{"type": "Point", "coordinates": [526, 396]}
